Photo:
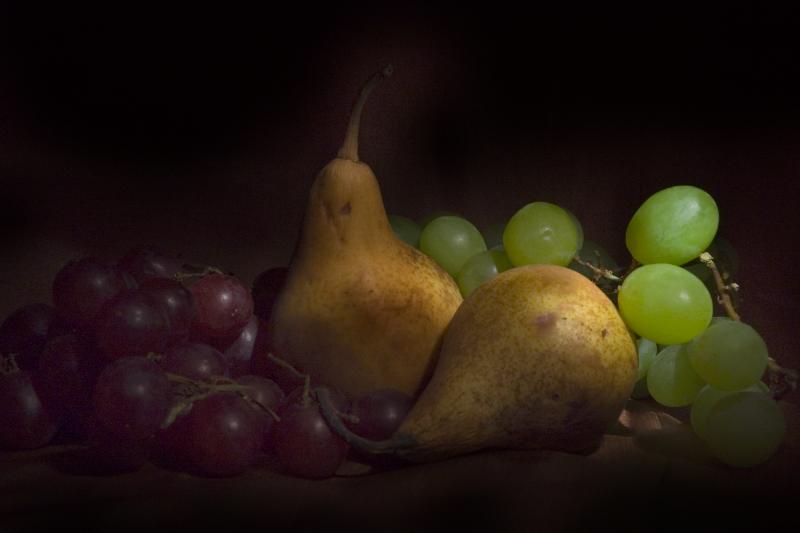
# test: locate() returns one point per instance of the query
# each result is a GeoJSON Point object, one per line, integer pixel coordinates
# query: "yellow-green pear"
{"type": "Point", "coordinates": [361, 310]}
{"type": "Point", "coordinates": [535, 358]}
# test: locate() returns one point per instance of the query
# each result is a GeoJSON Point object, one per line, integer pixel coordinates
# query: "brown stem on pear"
{"type": "Point", "coordinates": [349, 149]}
{"type": "Point", "coordinates": [392, 446]}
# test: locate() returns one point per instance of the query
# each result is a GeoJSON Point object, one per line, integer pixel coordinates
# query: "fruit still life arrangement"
{"type": "Point", "coordinates": [387, 338]}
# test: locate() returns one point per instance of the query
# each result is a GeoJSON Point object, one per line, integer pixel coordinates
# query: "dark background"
{"type": "Point", "coordinates": [201, 128]}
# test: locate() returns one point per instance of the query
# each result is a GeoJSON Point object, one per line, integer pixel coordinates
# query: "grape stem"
{"type": "Point", "coordinates": [8, 364]}
{"type": "Point", "coordinates": [599, 272]}
{"type": "Point", "coordinates": [781, 380]}
{"type": "Point", "coordinates": [306, 398]}
{"type": "Point", "coordinates": [196, 272]}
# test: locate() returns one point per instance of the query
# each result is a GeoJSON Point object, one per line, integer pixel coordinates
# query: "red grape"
{"type": "Point", "coordinates": [148, 262]}
{"type": "Point", "coordinates": [131, 397]}
{"type": "Point", "coordinates": [239, 353]}
{"type": "Point", "coordinates": [380, 413]}
{"type": "Point", "coordinates": [266, 288]}
{"type": "Point", "coordinates": [131, 325]}
{"type": "Point", "coordinates": [264, 392]}
{"type": "Point", "coordinates": [224, 307]}
{"type": "Point", "coordinates": [25, 423]}
{"type": "Point", "coordinates": [222, 435]}
{"type": "Point", "coordinates": [25, 331]}
{"type": "Point", "coordinates": [194, 360]}
{"type": "Point", "coordinates": [176, 303]}
{"type": "Point", "coordinates": [304, 443]}
{"type": "Point", "coordinates": [83, 287]}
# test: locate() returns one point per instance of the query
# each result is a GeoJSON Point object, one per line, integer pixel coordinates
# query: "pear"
{"type": "Point", "coordinates": [361, 310]}
{"type": "Point", "coordinates": [535, 358]}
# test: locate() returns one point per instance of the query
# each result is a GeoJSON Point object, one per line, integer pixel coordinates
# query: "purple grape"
{"type": "Point", "coordinates": [176, 303]}
{"type": "Point", "coordinates": [239, 353]}
{"type": "Point", "coordinates": [224, 307]}
{"type": "Point", "coordinates": [131, 325]}
{"type": "Point", "coordinates": [131, 397]}
{"type": "Point", "coordinates": [264, 392]}
{"type": "Point", "coordinates": [380, 413]}
{"type": "Point", "coordinates": [149, 262]}
{"type": "Point", "coordinates": [25, 422]}
{"type": "Point", "coordinates": [25, 331]}
{"type": "Point", "coordinates": [194, 360]}
{"type": "Point", "coordinates": [82, 288]}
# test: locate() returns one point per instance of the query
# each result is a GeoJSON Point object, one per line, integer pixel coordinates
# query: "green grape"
{"type": "Point", "coordinates": [493, 235]}
{"type": "Point", "coordinates": [707, 398]}
{"type": "Point", "coordinates": [541, 233]}
{"type": "Point", "coordinates": [406, 229]}
{"type": "Point", "coordinates": [647, 350]}
{"type": "Point", "coordinates": [450, 241]}
{"type": "Point", "coordinates": [729, 355]}
{"type": "Point", "coordinates": [664, 303]}
{"type": "Point", "coordinates": [578, 226]}
{"type": "Point", "coordinates": [744, 428]}
{"type": "Point", "coordinates": [640, 391]}
{"type": "Point", "coordinates": [479, 268]}
{"type": "Point", "coordinates": [671, 380]}
{"type": "Point", "coordinates": [674, 226]}
{"type": "Point", "coordinates": [427, 219]}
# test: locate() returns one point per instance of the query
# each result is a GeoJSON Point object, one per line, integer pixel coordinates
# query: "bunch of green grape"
{"type": "Point", "coordinates": [687, 357]}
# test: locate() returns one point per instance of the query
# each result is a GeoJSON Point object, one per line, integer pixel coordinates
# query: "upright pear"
{"type": "Point", "coordinates": [536, 357]}
{"type": "Point", "coordinates": [361, 310]}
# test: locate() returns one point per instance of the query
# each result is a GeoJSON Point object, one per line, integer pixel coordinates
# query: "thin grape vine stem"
{"type": "Point", "coordinates": [599, 272]}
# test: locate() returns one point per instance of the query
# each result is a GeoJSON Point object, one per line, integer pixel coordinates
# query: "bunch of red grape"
{"type": "Point", "coordinates": [145, 359]}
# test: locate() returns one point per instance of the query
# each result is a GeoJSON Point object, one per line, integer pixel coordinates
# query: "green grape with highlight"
{"type": "Point", "coordinates": [450, 241]}
{"type": "Point", "coordinates": [647, 351]}
{"type": "Point", "coordinates": [744, 429]}
{"type": "Point", "coordinates": [481, 267]}
{"type": "Point", "coordinates": [542, 233]}
{"type": "Point", "coordinates": [665, 303]}
{"type": "Point", "coordinates": [674, 225]}
{"type": "Point", "coordinates": [730, 355]}
{"type": "Point", "coordinates": [671, 380]}
{"type": "Point", "coordinates": [406, 229]}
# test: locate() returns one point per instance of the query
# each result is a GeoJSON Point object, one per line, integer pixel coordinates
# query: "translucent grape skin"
{"type": "Point", "coordinates": [744, 429]}
{"type": "Point", "coordinates": [481, 267]}
{"type": "Point", "coordinates": [730, 355]}
{"type": "Point", "coordinates": [542, 233]}
{"type": "Point", "coordinates": [673, 226]}
{"type": "Point", "coordinates": [664, 303]}
{"type": "Point", "coordinates": [25, 423]}
{"type": "Point", "coordinates": [451, 241]}
{"type": "Point", "coordinates": [131, 397]}
{"type": "Point", "coordinates": [671, 381]}
{"type": "Point", "coordinates": [406, 229]}
{"type": "Point", "coordinates": [707, 398]}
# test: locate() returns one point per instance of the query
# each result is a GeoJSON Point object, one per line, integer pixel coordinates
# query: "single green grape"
{"type": "Point", "coordinates": [450, 241]}
{"type": "Point", "coordinates": [673, 226]}
{"type": "Point", "coordinates": [493, 235]}
{"type": "Point", "coordinates": [647, 350]}
{"type": "Point", "coordinates": [744, 428]}
{"type": "Point", "coordinates": [541, 233]}
{"type": "Point", "coordinates": [707, 398]}
{"type": "Point", "coordinates": [730, 355]}
{"type": "Point", "coordinates": [671, 380]}
{"type": "Point", "coordinates": [481, 267]}
{"type": "Point", "coordinates": [406, 229]}
{"type": "Point", "coordinates": [578, 226]}
{"type": "Point", "coordinates": [427, 219]}
{"type": "Point", "coordinates": [664, 303]}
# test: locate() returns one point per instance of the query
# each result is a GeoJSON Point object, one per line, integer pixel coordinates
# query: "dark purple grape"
{"type": "Point", "coordinates": [176, 302]}
{"type": "Point", "coordinates": [266, 393]}
{"type": "Point", "coordinates": [380, 413]}
{"type": "Point", "coordinates": [223, 435]}
{"type": "Point", "coordinates": [83, 287]}
{"type": "Point", "coordinates": [266, 288]}
{"type": "Point", "coordinates": [131, 325]}
{"type": "Point", "coordinates": [239, 352]}
{"type": "Point", "coordinates": [68, 368]}
{"type": "Point", "coordinates": [262, 365]}
{"type": "Point", "coordinates": [108, 454]}
{"type": "Point", "coordinates": [25, 331]}
{"type": "Point", "coordinates": [25, 423]}
{"type": "Point", "coordinates": [194, 360]}
{"type": "Point", "coordinates": [224, 307]}
{"type": "Point", "coordinates": [131, 397]}
{"type": "Point", "coordinates": [148, 262]}
{"type": "Point", "coordinates": [303, 442]}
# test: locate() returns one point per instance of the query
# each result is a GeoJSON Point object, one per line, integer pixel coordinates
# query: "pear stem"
{"type": "Point", "coordinates": [392, 446]}
{"type": "Point", "coordinates": [349, 149]}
